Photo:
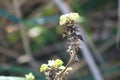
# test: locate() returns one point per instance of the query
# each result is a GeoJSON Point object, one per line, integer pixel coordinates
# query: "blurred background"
{"type": "Point", "coordinates": [30, 35]}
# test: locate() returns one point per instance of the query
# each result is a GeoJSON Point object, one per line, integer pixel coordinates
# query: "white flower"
{"type": "Point", "coordinates": [51, 63]}
{"type": "Point", "coordinates": [63, 67]}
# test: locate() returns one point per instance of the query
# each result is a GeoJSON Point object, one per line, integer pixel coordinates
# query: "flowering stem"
{"type": "Point", "coordinates": [68, 64]}
{"type": "Point", "coordinates": [69, 21]}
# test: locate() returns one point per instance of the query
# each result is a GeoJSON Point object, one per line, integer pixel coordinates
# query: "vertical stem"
{"type": "Point", "coordinates": [118, 33]}
{"type": "Point", "coordinates": [22, 27]}
{"type": "Point", "coordinates": [63, 7]}
{"type": "Point", "coordinates": [90, 61]}
{"type": "Point", "coordinates": [25, 40]}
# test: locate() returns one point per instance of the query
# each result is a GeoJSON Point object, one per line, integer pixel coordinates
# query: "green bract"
{"type": "Point", "coordinates": [29, 76]}
{"type": "Point", "coordinates": [43, 67]}
{"type": "Point", "coordinates": [68, 18]}
{"type": "Point", "coordinates": [58, 62]}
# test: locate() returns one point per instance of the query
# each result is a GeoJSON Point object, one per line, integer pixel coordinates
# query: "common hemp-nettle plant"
{"type": "Point", "coordinates": [55, 70]}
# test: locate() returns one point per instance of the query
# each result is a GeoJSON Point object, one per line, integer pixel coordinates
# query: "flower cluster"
{"type": "Point", "coordinates": [69, 18]}
{"type": "Point", "coordinates": [72, 33]}
{"type": "Point", "coordinates": [53, 68]}
{"type": "Point", "coordinates": [29, 76]}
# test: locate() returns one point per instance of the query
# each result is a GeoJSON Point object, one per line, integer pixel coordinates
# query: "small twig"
{"type": "Point", "coordinates": [68, 64]}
